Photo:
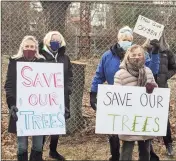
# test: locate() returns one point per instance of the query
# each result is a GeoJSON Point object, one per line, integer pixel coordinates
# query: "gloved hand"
{"type": "Point", "coordinates": [150, 87]}
{"type": "Point", "coordinates": [155, 46]}
{"type": "Point", "coordinates": [13, 111]}
{"type": "Point", "coordinates": [93, 100]}
{"type": "Point", "coordinates": [67, 113]}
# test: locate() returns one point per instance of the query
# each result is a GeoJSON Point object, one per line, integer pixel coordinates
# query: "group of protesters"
{"type": "Point", "coordinates": [148, 65]}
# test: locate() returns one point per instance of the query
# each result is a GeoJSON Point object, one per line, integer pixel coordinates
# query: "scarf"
{"type": "Point", "coordinates": [136, 71]}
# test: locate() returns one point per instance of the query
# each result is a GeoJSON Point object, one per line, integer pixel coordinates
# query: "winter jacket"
{"type": "Point", "coordinates": [167, 68]}
{"type": "Point", "coordinates": [10, 87]}
{"type": "Point", "coordinates": [109, 65]}
{"type": "Point", "coordinates": [60, 57]}
{"type": "Point", "coordinates": [124, 78]}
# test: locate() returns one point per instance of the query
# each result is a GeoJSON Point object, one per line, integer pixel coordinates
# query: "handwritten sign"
{"type": "Point", "coordinates": [130, 110]}
{"type": "Point", "coordinates": [148, 28]}
{"type": "Point", "coordinates": [40, 99]}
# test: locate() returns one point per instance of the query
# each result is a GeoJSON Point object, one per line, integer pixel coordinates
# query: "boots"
{"type": "Point", "coordinates": [23, 157]}
{"type": "Point", "coordinates": [153, 156]}
{"type": "Point", "coordinates": [114, 148]}
{"type": "Point", "coordinates": [35, 156]}
{"type": "Point", "coordinates": [56, 155]}
{"type": "Point", "coordinates": [169, 148]}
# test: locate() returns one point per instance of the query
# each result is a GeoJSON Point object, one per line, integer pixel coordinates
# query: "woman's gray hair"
{"type": "Point", "coordinates": [20, 51]}
{"type": "Point", "coordinates": [125, 34]}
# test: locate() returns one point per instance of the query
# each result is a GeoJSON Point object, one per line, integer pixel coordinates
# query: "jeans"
{"type": "Point", "coordinates": [143, 147]}
{"type": "Point", "coordinates": [37, 144]}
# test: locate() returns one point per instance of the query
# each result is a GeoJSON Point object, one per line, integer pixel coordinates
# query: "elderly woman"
{"type": "Point", "coordinates": [108, 66]}
{"type": "Point", "coordinates": [133, 72]}
{"type": "Point", "coordinates": [53, 50]}
{"type": "Point", "coordinates": [28, 52]}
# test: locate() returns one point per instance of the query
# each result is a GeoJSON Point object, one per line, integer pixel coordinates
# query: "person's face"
{"type": "Point", "coordinates": [136, 58]}
{"type": "Point", "coordinates": [29, 45]}
{"type": "Point", "coordinates": [137, 54]}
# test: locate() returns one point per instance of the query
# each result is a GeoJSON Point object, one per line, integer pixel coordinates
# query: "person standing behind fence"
{"type": "Point", "coordinates": [28, 52]}
{"type": "Point", "coordinates": [166, 71]}
{"type": "Point", "coordinates": [53, 50]}
{"type": "Point", "coordinates": [108, 66]}
{"type": "Point", "coordinates": [134, 73]}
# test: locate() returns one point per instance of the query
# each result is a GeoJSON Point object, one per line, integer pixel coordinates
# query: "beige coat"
{"type": "Point", "coordinates": [124, 78]}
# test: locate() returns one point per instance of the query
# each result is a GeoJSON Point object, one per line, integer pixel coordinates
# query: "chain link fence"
{"type": "Point", "coordinates": [89, 28]}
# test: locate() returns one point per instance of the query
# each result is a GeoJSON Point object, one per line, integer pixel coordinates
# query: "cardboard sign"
{"type": "Point", "coordinates": [40, 99]}
{"type": "Point", "coordinates": [148, 28]}
{"type": "Point", "coordinates": [131, 111]}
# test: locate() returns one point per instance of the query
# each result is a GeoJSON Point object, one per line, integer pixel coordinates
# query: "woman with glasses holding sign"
{"type": "Point", "coordinates": [28, 52]}
{"type": "Point", "coordinates": [133, 72]}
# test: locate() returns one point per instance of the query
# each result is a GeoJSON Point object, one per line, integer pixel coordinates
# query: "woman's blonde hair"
{"type": "Point", "coordinates": [20, 51]}
{"type": "Point", "coordinates": [125, 34]}
{"type": "Point", "coordinates": [48, 36]}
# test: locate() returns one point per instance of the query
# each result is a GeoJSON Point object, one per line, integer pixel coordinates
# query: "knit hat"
{"type": "Point", "coordinates": [125, 32]}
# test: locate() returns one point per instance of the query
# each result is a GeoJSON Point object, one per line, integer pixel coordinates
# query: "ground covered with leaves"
{"type": "Point", "coordinates": [83, 145]}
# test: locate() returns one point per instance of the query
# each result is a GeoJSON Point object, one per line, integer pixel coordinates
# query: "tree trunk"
{"type": "Point", "coordinates": [55, 12]}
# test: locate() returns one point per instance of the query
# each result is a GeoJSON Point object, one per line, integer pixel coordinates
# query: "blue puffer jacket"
{"type": "Point", "coordinates": [109, 65]}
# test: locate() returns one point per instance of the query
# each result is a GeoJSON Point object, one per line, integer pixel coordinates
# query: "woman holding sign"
{"type": "Point", "coordinates": [28, 52]}
{"type": "Point", "coordinates": [109, 65]}
{"type": "Point", "coordinates": [134, 73]}
{"type": "Point", "coordinates": [53, 50]}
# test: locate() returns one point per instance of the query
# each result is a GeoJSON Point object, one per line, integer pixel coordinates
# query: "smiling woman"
{"type": "Point", "coordinates": [133, 72]}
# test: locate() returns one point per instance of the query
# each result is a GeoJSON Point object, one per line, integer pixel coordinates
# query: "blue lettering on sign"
{"type": "Point", "coordinates": [46, 123]}
{"type": "Point", "coordinates": [53, 121]}
{"type": "Point", "coordinates": [26, 116]}
{"type": "Point", "coordinates": [59, 117]}
{"type": "Point", "coordinates": [37, 122]}
{"type": "Point", "coordinates": [43, 121]}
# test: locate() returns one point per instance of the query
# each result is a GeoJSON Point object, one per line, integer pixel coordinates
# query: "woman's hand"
{"type": "Point", "coordinates": [13, 111]}
{"type": "Point", "coordinates": [150, 87]}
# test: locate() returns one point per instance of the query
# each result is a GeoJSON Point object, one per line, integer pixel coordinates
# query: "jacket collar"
{"type": "Point", "coordinates": [117, 51]}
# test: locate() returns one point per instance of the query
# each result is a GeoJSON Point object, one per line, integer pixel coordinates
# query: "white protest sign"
{"type": "Point", "coordinates": [40, 99]}
{"type": "Point", "coordinates": [148, 28]}
{"type": "Point", "coordinates": [131, 111]}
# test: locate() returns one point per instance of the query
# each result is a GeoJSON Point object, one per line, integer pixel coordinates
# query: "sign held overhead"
{"type": "Point", "coordinates": [148, 28]}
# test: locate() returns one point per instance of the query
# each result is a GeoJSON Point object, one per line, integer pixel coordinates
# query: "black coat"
{"type": "Point", "coordinates": [68, 75]}
{"type": "Point", "coordinates": [167, 68]}
{"type": "Point", "coordinates": [10, 87]}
